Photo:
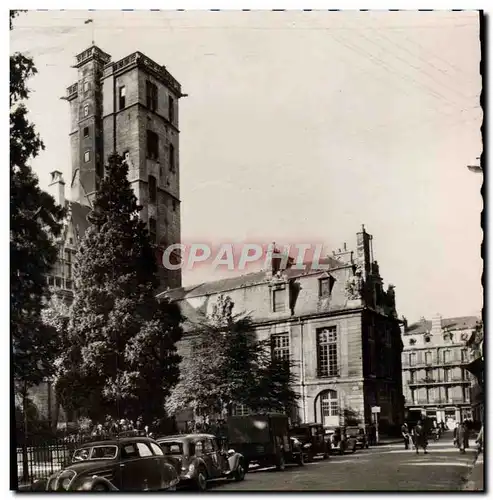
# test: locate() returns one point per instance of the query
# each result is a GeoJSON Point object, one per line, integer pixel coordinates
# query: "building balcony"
{"type": "Point", "coordinates": [438, 401]}
{"type": "Point", "coordinates": [452, 381]}
{"type": "Point", "coordinates": [441, 364]}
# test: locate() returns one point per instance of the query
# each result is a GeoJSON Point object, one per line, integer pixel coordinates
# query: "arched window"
{"type": "Point", "coordinates": [329, 408]}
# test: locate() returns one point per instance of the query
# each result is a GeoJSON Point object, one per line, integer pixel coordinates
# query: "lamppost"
{"type": "Point", "coordinates": [477, 169]}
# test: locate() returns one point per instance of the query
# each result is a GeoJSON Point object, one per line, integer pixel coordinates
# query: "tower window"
{"type": "Point", "coordinates": [174, 205]}
{"type": "Point", "coordinates": [152, 189]}
{"type": "Point", "coordinates": [152, 229]}
{"type": "Point", "coordinates": [126, 157]}
{"type": "Point", "coordinates": [87, 86]}
{"type": "Point", "coordinates": [86, 110]}
{"type": "Point", "coordinates": [152, 145]}
{"type": "Point", "coordinates": [171, 109]}
{"type": "Point", "coordinates": [121, 97]}
{"type": "Point", "coordinates": [151, 95]}
{"type": "Point", "coordinates": [87, 156]}
{"type": "Point", "coordinates": [86, 131]}
{"type": "Point", "coordinates": [171, 158]}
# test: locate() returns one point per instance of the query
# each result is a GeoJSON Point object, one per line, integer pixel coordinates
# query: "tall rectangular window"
{"type": "Point", "coordinates": [152, 145]}
{"type": "Point", "coordinates": [152, 189]}
{"type": "Point", "coordinates": [171, 158]}
{"type": "Point", "coordinates": [279, 300]}
{"type": "Point", "coordinates": [428, 358]}
{"type": "Point", "coordinates": [446, 375]}
{"type": "Point", "coordinates": [151, 95]}
{"type": "Point", "coordinates": [87, 156]}
{"type": "Point", "coordinates": [446, 356]}
{"type": "Point", "coordinates": [171, 109]}
{"type": "Point", "coordinates": [327, 352]}
{"type": "Point", "coordinates": [121, 97]}
{"type": "Point", "coordinates": [412, 359]}
{"type": "Point", "coordinates": [86, 110]}
{"type": "Point", "coordinates": [86, 131]}
{"type": "Point", "coordinates": [152, 229]}
{"type": "Point", "coordinates": [280, 346]}
{"type": "Point", "coordinates": [464, 355]}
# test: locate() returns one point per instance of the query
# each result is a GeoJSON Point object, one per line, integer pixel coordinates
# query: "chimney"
{"type": "Point", "coordinates": [436, 325]}
{"type": "Point", "coordinates": [364, 251]}
{"type": "Point", "coordinates": [57, 187]}
{"type": "Point", "coordinates": [345, 256]}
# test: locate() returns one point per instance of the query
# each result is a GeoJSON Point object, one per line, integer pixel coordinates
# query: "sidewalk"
{"type": "Point", "coordinates": [475, 480]}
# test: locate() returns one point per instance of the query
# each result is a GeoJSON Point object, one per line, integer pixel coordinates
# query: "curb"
{"type": "Point", "coordinates": [475, 484]}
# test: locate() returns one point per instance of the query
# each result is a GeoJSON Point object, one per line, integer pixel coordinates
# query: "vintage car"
{"type": "Point", "coordinates": [199, 458]}
{"type": "Point", "coordinates": [126, 464]}
{"type": "Point", "coordinates": [312, 440]}
{"type": "Point", "coordinates": [264, 440]}
{"type": "Point", "coordinates": [360, 435]}
{"type": "Point", "coordinates": [340, 440]}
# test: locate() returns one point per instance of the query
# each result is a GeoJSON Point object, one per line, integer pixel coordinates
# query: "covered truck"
{"type": "Point", "coordinates": [264, 440]}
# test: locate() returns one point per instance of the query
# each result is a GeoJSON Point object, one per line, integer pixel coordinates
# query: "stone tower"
{"type": "Point", "coordinates": [131, 107]}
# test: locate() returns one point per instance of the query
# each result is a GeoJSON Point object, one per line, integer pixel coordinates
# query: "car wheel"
{"type": "Point", "coordinates": [99, 487]}
{"type": "Point", "coordinates": [201, 480]}
{"type": "Point", "coordinates": [240, 472]}
{"type": "Point", "coordinates": [281, 463]}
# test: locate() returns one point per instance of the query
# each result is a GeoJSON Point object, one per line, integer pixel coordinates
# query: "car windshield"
{"type": "Point", "coordinates": [95, 453]}
{"type": "Point", "coordinates": [300, 431]}
{"type": "Point", "coordinates": [171, 448]}
{"type": "Point", "coordinates": [353, 431]}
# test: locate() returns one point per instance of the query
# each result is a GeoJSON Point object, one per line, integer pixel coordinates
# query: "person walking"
{"type": "Point", "coordinates": [420, 440]}
{"type": "Point", "coordinates": [479, 440]}
{"type": "Point", "coordinates": [405, 435]}
{"type": "Point", "coordinates": [461, 437]}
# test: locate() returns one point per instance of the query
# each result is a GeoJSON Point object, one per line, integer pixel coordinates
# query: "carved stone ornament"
{"type": "Point", "coordinates": [354, 286]}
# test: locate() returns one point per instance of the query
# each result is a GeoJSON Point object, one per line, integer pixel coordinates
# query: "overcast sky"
{"type": "Point", "coordinates": [301, 126]}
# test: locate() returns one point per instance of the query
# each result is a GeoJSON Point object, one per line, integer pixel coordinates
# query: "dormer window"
{"type": "Point", "coordinates": [427, 338]}
{"type": "Point", "coordinates": [325, 285]}
{"type": "Point", "coordinates": [412, 341]}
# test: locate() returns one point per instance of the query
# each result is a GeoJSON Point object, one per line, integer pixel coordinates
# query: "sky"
{"type": "Point", "coordinates": [302, 126]}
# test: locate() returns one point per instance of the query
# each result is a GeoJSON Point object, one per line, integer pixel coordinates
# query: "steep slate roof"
{"type": "Point", "coordinates": [459, 323]}
{"type": "Point", "coordinates": [244, 280]}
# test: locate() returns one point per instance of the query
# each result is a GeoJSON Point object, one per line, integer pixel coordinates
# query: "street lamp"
{"type": "Point", "coordinates": [477, 169]}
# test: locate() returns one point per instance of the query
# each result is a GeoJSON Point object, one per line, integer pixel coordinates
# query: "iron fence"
{"type": "Point", "coordinates": [38, 460]}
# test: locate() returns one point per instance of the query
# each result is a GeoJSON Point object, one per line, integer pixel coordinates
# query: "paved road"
{"type": "Point", "coordinates": [387, 467]}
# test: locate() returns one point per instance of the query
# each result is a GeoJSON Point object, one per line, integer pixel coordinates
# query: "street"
{"type": "Point", "coordinates": [387, 467]}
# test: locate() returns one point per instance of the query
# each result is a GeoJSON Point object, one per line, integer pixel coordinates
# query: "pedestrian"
{"type": "Point", "coordinates": [420, 439]}
{"type": "Point", "coordinates": [461, 437]}
{"type": "Point", "coordinates": [405, 435]}
{"type": "Point", "coordinates": [479, 440]}
{"type": "Point", "coordinates": [456, 428]}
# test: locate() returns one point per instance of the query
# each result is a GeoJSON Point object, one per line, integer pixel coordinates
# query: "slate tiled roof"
{"type": "Point", "coordinates": [245, 280]}
{"type": "Point", "coordinates": [459, 323]}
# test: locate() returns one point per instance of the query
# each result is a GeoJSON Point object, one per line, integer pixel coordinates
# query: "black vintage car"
{"type": "Point", "coordinates": [198, 458]}
{"type": "Point", "coordinates": [125, 464]}
{"type": "Point", "coordinates": [312, 438]}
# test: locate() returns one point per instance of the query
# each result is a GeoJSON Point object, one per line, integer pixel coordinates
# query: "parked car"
{"type": "Point", "coordinates": [199, 458]}
{"type": "Point", "coordinates": [128, 464]}
{"type": "Point", "coordinates": [264, 440]}
{"type": "Point", "coordinates": [359, 434]}
{"type": "Point", "coordinates": [340, 440]}
{"type": "Point", "coordinates": [312, 440]}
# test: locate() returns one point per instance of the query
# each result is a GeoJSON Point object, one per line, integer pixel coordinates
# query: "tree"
{"type": "Point", "coordinates": [34, 225]}
{"type": "Point", "coordinates": [35, 222]}
{"type": "Point", "coordinates": [121, 352]}
{"type": "Point", "coordinates": [229, 366]}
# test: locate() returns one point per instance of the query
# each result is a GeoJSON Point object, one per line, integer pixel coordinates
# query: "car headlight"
{"type": "Point", "coordinates": [307, 445]}
{"type": "Point", "coordinates": [191, 469]}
